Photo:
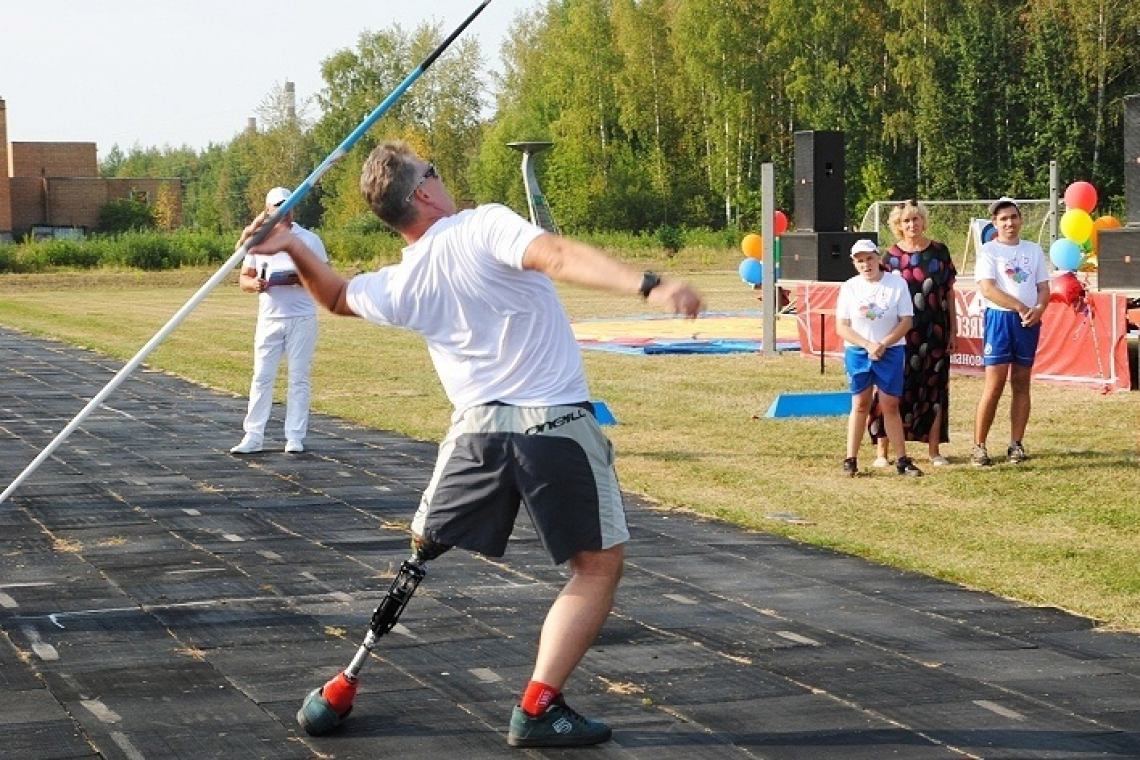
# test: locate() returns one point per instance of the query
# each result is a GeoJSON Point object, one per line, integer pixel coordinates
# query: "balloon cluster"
{"type": "Point", "coordinates": [752, 268]}
{"type": "Point", "coordinates": [1077, 250]}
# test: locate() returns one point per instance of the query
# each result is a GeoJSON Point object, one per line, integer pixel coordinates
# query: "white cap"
{"type": "Point", "coordinates": [1001, 203]}
{"type": "Point", "coordinates": [277, 196]}
{"type": "Point", "coordinates": [863, 246]}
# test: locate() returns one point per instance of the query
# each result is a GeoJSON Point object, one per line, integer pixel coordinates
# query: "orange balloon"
{"type": "Point", "coordinates": [1103, 223]}
{"type": "Point", "coordinates": [753, 246]}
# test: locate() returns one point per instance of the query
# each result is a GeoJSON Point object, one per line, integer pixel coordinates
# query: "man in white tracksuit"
{"type": "Point", "coordinates": [286, 325]}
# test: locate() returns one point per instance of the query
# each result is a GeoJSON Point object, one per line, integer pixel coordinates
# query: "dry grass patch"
{"type": "Point", "coordinates": [1062, 529]}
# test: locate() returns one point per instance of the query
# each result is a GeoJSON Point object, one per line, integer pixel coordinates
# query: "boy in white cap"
{"type": "Point", "coordinates": [872, 317]}
{"type": "Point", "coordinates": [286, 326]}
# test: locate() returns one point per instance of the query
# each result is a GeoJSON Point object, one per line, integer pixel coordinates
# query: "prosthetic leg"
{"type": "Point", "coordinates": [324, 708]}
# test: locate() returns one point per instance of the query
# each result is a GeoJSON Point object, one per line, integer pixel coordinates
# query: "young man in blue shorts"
{"type": "Point", "coordinates": [478, 286]}
{"type": "Point", "coordinates": [1013, 277]}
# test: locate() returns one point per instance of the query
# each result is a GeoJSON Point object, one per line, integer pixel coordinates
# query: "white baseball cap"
{"type": "Point", "coordinates": [1003, 202]}
{"type": "Point", "coordinates": [277, 196]}
{"type": "Point", "coordinates": [863, 246]}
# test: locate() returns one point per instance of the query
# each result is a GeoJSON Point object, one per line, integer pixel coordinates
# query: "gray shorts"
{"type": "Point", "coordinates": [554, 460]}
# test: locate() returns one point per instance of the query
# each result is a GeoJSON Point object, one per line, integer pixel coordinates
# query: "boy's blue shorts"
{"type": "Point", "coordinates": [886, 374]}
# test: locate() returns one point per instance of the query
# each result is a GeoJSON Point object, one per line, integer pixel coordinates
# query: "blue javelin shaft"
{"type": "Point", "coordinates": [239, 255]}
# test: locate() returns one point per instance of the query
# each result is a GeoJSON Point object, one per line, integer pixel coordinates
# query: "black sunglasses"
{"type": "Point", "coordinates": [910, 202]}
{"type": "Point", "coordinates": [429, 172]}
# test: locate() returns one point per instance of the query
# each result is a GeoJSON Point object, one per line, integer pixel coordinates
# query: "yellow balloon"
{"type": "Point", "coordinates": [1076, 225]}
{"type": "Point", "coordinates": [753, 246]}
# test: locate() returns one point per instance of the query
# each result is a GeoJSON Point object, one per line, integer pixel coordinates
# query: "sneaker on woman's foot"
{"type": "Point", "coordinates": [979, 457]}
{"type": "Point", "coordinates": [850, 467]}
{"type": "Point", "coordinates": [559, 726]}
{"type": "Point", "coordinates": [1016, 452]}
{"type": "Point", "coordinates": [905, 466]}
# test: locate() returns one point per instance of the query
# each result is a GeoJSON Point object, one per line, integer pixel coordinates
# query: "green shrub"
{"type": "Point", "coordinates": [150, 251]}
{"type": "Point", "coordinates": [125, 214]}
{"type": "Point", "coordinates": [202, 248]}
{"type": "Point", "coordinates": [361, 251]}
{"type": "Point", "coordinates": [75, 254]}
{"type": "Point", "coordinates": [669, 238]}
{"type": "Point", "coordinates": [8, 261]}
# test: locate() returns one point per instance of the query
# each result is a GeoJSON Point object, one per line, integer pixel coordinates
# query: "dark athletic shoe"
{"type": "Point", "coordinates": [850, 467]}
{"type": "Point", "coordinates": [559, 726]}
{"type": "Point", "coordinates": [1016, 452]}
{"type": "Point", "coordinates": [905, 466]}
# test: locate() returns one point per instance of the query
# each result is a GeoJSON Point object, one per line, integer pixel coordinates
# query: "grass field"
{"type": "Point", "coordinates": [1062, 529]}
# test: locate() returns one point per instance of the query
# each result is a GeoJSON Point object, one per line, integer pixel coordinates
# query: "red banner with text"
{"type": "Point", "coordinates": [1079, 347]}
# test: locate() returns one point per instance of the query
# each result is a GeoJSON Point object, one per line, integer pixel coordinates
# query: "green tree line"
{"type": "Point", "coordinates": [663, 111]}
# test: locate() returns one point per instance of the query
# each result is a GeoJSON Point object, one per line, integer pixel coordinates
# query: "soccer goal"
{"type": "Point", "coordinates": [961, 224]}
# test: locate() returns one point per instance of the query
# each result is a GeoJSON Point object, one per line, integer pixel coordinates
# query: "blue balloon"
{"type": "Point", "coordinates": [1065, 255]}
{"type": "Point", "coordinates": [752, 271]}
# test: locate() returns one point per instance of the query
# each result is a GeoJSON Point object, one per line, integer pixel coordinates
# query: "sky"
{"type": "Point", "coordinates": [154, 73]}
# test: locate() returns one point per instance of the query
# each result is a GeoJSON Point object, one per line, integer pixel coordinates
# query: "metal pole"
{"type": "Point", "coordinates": [301, 191]}
{"type": "Point", "coordinates": [1054, 186]}
{"type": "Point", "coordinates": [768, 286]}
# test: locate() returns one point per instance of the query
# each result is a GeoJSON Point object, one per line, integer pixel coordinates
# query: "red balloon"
{"type": "Point", "coordinates": [1066, 289]}
{"type": "Point", "coordinates": [779, 223]}
{"type": "Point", "coordinates": [1080, 195]}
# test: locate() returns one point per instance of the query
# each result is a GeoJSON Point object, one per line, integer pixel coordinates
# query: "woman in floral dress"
{"type": "Point", "coordinates": [929, 271]}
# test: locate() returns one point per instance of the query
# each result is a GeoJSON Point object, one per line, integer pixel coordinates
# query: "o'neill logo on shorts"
{"type": "Point", "coordinates": [557, 422]}
{"type": "Point", "coordinates": [989, 349]}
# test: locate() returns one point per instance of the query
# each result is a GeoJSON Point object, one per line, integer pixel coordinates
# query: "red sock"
{"type": "Point", "coordinates": [537, 698]}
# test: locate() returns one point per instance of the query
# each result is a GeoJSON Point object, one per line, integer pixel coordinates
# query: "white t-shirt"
{"type": "Point", "coordinates": [874, 308]}
{"type": "Point", "coordinates": [280, 301]}
{"type": "Point", "coordinates": [495, 331]}
{"type": "Point", "coordinates": [1017, 269]}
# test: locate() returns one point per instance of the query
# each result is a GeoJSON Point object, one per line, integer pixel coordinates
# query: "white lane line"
{"type": "Point", "coordinates": [233, 537]}
{"type": "Point", "coordinates": [1005, 712]}
{"type": "Point", "coordinates": [681, 599]}
{"type": "Point", "coordinates": [101, 711]}
{"type": "Point", "coordinates": [192, 512]}
{"type": "Point", "coordinates": [43, 650]}
{"type": "Point", "coordinates": [7, 601]}
{"type": "Point", "coordinates": [125, 745]}
{"type": "Point", "coordinates": [486, 675]}
{"type": "Point", "coordinates": [797, 638]}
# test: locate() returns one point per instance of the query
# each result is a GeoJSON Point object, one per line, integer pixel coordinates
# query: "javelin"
{"type": "Point", "coordinates": [239, 254]}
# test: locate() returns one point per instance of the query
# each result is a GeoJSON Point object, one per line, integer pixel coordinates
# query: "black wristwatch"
{"type": "Point", "coordinates": [649, 280]}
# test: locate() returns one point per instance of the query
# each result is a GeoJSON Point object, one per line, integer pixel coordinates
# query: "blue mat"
{"type": "Point", "coordinates": [823, 404]}
{"type": "Point", "coordinates": [663, 347]}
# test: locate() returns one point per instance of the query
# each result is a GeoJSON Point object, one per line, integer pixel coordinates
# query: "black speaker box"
{"type": "Point", "coordinates": [819, 256]}
{"type": "Point", "coordinates": [1132, 158]}
{"type": "Point", "coordinates": [1118, 259]}
{"type": "Point", "coordinates": [820, 188]}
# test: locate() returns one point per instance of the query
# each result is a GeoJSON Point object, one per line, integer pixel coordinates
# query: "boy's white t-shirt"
{"type": "Point", "coordinates": [495, 331]}
{"type": "Point", "coordinates": [874, 308]}
{"type": "Point", "coordinates": [1017, 270]}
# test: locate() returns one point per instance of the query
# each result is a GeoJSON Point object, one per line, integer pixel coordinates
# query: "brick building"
{"type": "Point", "coordinates": [46, 186]}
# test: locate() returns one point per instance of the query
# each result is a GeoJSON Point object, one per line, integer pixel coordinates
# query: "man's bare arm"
{"type": "Point", "coordinates": [576, 263]}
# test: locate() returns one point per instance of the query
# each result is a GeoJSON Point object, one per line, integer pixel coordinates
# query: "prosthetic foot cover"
{"type": "Point", "coordinates": [324, 708]}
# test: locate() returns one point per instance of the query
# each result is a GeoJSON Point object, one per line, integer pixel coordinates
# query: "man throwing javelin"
{"type": "Point", "coordinates": [477, 285]}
